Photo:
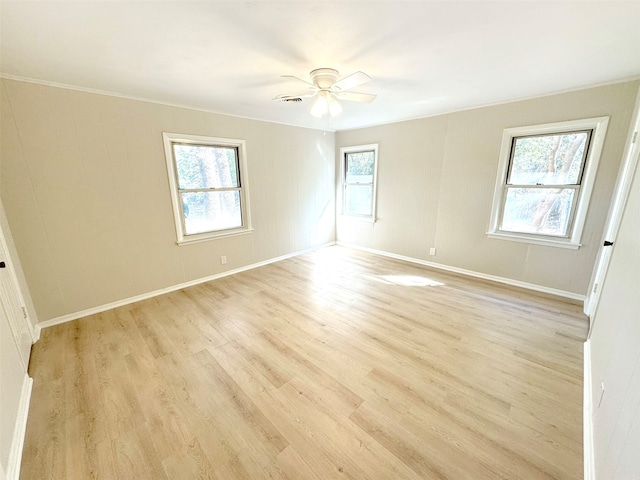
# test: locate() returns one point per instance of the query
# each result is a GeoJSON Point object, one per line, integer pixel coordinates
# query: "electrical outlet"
{"type": "Point", "coordinates": [223, 260]}
{"type": "Point", "coordinates": [432, 251]}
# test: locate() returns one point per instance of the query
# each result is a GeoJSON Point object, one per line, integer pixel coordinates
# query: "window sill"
{"type": "Point", "coordinates": [547, 242]}
{"type": "Point", "coordinates": [213, 236]}
{"type": "Point", "coordinates": [358, 219]}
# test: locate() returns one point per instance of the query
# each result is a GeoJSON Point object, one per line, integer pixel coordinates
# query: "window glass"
{"type": "Point", "coordinates": [207, 178]}
{"type": "Point", "coordinates": [211, 211]}
{"type": "Point", "coordinates": [545, 211]}
{"type": "Point", "coordinates": [358, 200]}
{"type": "Point", "coordinates": [548, 159]}
{"type": "Point", "coordinates": [359, 181]}
{"type": "Point", "coordinates": [202, 166]}
{"type": "Point", "coordinates": [359, 167]}
{"type": "Point", "coordinates": [545, 177]}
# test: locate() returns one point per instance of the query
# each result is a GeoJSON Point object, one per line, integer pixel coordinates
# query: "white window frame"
{"type": "Point", "coordinates": [344, 185]}
{"type": "Point", "coordinates": [169, 140]}
{"type": "Point", "coordinates": [598, 126]}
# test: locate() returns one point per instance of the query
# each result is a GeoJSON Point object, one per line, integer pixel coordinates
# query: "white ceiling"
{"type": "Point", "coordinates": [424, 57]}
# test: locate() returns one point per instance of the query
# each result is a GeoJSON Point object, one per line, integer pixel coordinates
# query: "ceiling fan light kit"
{"type": "Point", "coordinates": [321, 105]}
{"type": "Point", "coordinates": [325, 84]}
{"type": "Point", "coordinates": [326, 103]}
{"type": "Point", "coordinates": [335, 108]}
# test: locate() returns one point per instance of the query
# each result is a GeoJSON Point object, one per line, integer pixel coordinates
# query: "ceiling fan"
{"type": "Point", "coordinates": [325, 84]}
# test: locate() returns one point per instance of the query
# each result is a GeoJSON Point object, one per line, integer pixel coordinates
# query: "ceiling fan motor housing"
{"type": "Point", "coordinates": [324, 78]}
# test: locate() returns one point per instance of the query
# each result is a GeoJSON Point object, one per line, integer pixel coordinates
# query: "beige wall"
{"type": "Point", "coordinates": [436, 178]}
{"type": "Point", "coordinates": [84, 184]}
{"type": "Point", "coordinates": [615, 353]}
{"type": "Point", "coordinates": [85, 188]}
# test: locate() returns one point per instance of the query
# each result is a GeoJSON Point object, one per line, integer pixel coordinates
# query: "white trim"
{"type": "Point", "coordinates": [22, 320]}
{"type": "Point", "coordinates": [66, 86]}
{"type": "Point", "coordinates": [548, 242]}
{"type": "Point", "coordinates": [340, 204]}
{"type": "Point", "coordinates": [587, 421]}
{"type": "Point", "coordinates": [17, 443]}
{"type": "Point", "coordinates": [599, 127]}
{"type": "Point", "coordinates": [37, 330]}
{"type": "Point", "coordinates": [498, 103]}
{"type": "Point", "coordinates": [614, 217]}
{"type": "Point", "coordinates": [471, 273]}
{"type": "Point", "coordinates": [243, 179]}
{"type": "Point", "coordinates": [126, 301]}
{"type": "Point", "coordinates": [357, 219]}
{"type": "Point", "coordinates": [224, 234]}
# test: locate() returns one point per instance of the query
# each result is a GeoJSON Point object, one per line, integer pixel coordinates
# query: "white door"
{"type": "Point", "coordinates": [627, 169]}
{"type": "Point", "coordinates": [15, 348]}
{"type": "Point", "coordinates": [13, 379]}
{"type": "Point", "coordinates": [13, 306]}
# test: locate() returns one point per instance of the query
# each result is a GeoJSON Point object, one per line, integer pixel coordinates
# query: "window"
{"type": "Point", "coordinates": [208, 181]}
{"type": "Point", "coordinates": [359, 169]}
{"type": "Point", "coordinates": [545, 177]}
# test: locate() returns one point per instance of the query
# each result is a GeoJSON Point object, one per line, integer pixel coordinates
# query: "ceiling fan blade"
{"type": "Point", "coordinates": [304, 94]}
{"type": "Point", "coordinates": [293, 77]}
{"type": "Point", "coordinates": [356, 97]}
{"type": "Point", "coordinates": [351, 81]}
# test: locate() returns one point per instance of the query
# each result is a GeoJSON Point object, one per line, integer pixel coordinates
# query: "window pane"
{"type": "Point", "coordinates": [202, 166]}
{"type": "Point", "coordinates": [211, 211]}
{"type": "Point", "coordinates": [545, 211]}
{"type": "Point", "coordinates": [358, 200]}
{"type": "Point", "coordinates": [548, 159]}
{"type": "Point", "coordinates": [359, 167]}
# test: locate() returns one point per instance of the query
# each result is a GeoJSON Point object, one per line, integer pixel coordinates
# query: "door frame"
{"type": "Point", "coordinates": [21, 322]}
{"type": "Point", "coordinates": [614, 217]}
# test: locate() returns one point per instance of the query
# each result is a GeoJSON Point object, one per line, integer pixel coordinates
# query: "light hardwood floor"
{"type": "Point", "coordinates": [334, 364]}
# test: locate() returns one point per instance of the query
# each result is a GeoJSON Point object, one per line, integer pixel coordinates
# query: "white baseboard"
{"type": "Point", "coordinates": [34, 330]}
{"type": "Point", "coordinates": [126, 301]}
{"type": "Point", "coordinates": [35, 333]}
{"type": "Point", "coordinates": [471, 273]}
{"type": "Point", "coordinates": [587, 422]}
{"type": "Point", "coordinates": [17, 443]}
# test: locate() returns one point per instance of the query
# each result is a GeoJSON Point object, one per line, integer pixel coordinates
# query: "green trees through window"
{"type": "Point", "coordinates": [359, 175]}
{"type": "Point", "coordinates": [209, 187]}
{"type": "Point", "coordinates": [544, 176]}
{"type": "Point", "coordinates": [208, 184]}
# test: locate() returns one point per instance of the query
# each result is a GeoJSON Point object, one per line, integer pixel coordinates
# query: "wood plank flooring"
{"type": "Point", "coordinates": [336, 364]}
